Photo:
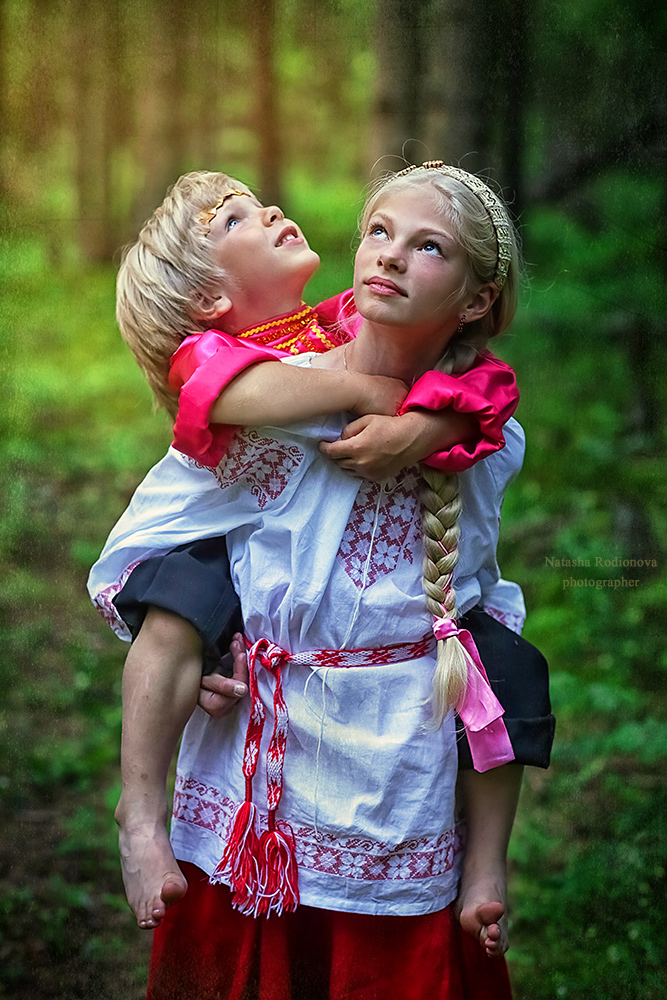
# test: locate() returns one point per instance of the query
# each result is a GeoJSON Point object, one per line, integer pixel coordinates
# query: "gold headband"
{"type": "Point", "coordinates": [207, 216]}
{"type": "Point", "coordinates": [493, 205]}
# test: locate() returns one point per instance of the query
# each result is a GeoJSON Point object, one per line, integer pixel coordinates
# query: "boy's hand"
{"type": "Point", "coordinates": [377, 447]}
{"type": "Point", "coordinates": [219, 695]}
{"type": "Point", "coordinates": [379, 394]}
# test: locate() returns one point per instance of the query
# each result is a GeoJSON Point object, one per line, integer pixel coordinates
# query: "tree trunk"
{"type": "Point", "coordinates": [91, 127]}
{"type": "Point", "coordinates": [460, 40]}
{"type": "Point", "coordinates": [159, 95]}
{"type": "Point", "coordinates": [262, 15]}
{"type": "Point", "coordinates": [399, 105]}
{"type": "Point", "coordinates": [512, 63]}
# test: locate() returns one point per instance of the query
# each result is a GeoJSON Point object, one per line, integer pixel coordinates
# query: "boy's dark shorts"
{"type": "Point", "coordinates": [194, 582]}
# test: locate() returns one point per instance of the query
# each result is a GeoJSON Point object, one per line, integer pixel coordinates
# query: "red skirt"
{"type": "Point", "coordinates": [205, 950]}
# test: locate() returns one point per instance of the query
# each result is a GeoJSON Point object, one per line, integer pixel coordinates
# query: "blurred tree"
{"type": "Point", "coordinates": [262, 15]}
{"type": "Point", "coordinates": [94, 58]}
{"type": "Point", "coordinates": [4, 80]}
{"type": "Point", "coordinates": [399, 46]}
{"type": "Point", "coordinates": [451, 83]}
{"type": "Point", "coordinates": [158, 99]}
{"type": "Point", "coordinates": [599, 81]}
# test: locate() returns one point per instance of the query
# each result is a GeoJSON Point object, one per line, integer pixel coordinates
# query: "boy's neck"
{"type": "Point", "coordinates": [237, 320]}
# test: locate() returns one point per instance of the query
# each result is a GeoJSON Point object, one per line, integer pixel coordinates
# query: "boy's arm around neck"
{"type": "Point", "coordinates": [448, 422]}
{"type": "Point", "coordinates": [222, 385]}
{"type": "Point", "coordinates": [278, 394]}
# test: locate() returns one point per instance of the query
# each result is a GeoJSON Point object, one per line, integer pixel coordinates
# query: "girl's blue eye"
{"type": "Point", "coordinates": [432, 247]}
{"type": "Point", "coordinates": [376, 230]}
{"type": "Point", "coordinates": [232, 221]}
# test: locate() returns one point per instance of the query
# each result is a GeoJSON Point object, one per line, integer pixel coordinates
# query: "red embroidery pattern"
{"type": "Point", "coordinates": [357, 857]}
{"type": "Point", "coordinates": [271, 657]}
{"type": "Point", "coordinates": [296, 333]}
{"type": "Point", "coordinates": [396, 653]}
{"type": "Point", "coordinates": [264, 463]}
{"type": "Point", "coordinates": [397, 514]}
{"type": "Point", "coordinates": [510, 619]}
{"type": "Point", "coordinates": [104, 600]}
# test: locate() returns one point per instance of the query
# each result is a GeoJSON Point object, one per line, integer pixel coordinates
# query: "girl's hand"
{"type": "Point", "coordinates": [378, 394]}
{"type": "Point", "coordinates": [219, 695]}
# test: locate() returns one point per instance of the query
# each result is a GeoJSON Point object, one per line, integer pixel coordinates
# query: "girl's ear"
{"type": "Point", "coordinates": [209, 306]}
{"type": "Point", "coordinates": [479, 303]}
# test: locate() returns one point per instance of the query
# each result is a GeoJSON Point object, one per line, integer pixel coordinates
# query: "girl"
{"type": "Point", "coordinates": [325, 565]}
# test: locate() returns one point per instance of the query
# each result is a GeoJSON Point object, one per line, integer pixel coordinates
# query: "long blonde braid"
{"type": "Point", "coordinates": [442, 506]}
{"type": "Point", "coordinates": [485, 232]}
{"type": "Point", "coordinates": [483, 228]}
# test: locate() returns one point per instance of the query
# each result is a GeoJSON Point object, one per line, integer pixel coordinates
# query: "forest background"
{"type": "Point", "coordinates": [102, 105]}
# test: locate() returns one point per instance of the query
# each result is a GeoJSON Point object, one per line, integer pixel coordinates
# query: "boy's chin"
{"type": "Point", "coordinates": [309, 266]}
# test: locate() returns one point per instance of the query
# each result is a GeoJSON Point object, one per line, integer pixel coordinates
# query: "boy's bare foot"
{"type": "Point", "coordinates": [482, 914]}
{"type": "Point", "coordinates": [151, 876]}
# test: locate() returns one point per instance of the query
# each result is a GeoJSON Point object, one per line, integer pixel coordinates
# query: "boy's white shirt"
{"type": "Point", "coordinates": [322, 560]}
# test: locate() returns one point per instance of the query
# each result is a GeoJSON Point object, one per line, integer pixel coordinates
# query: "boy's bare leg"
{"type": "Point", "coordinates": [490, 801]}
{"type": "Point", "coordinates": [160, 687]}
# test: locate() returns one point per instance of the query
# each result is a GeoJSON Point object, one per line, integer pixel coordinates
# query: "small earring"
{"type": "Point", "coordinates": [460, 328]}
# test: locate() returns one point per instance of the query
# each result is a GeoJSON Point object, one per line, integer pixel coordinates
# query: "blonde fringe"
{"type": "Point", "coordinates": [442, 506]}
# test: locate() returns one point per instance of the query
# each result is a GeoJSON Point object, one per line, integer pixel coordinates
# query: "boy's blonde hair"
{"type": "Point", "coordinates": [166, 273]}
{"type": "Point", "coordinates": [479, 232]}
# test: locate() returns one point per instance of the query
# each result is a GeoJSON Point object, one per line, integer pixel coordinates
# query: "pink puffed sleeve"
{"type": "Point", "coordinates": [487, 392]}
{"type": "Point", "coordinates": [200, 369]}
{"type": "Point", "coordinates": [340, 313]}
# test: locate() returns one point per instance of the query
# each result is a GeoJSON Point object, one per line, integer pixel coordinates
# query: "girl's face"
{"type": "Point", "coordinates": [409, 270]}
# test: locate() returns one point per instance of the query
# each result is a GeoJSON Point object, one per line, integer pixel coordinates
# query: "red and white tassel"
{"type": "Point", "coordinates": [279, 871]}
{"type": "Point", "coordinates": [239, 862]}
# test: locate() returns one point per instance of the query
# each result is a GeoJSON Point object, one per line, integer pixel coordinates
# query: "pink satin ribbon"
{"type": "Point", "coordinates": [480, 711]}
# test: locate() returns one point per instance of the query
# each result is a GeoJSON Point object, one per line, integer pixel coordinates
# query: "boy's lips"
{"type": "Point", "coordinates": [289, 234]}
{"type": "Point", "coordinates": [384, 286]}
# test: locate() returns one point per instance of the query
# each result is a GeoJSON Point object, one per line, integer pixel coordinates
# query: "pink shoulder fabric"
{"type": "Point", "coordinates": [340, 313]}
{"type": "Point", "coordinates": [488, 392]}
{"type": "Point", "coordinates": [200, 369]}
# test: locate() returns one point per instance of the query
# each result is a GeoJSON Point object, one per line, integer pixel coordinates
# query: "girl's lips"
{"type": "Point", "coordinates": [384, 286]}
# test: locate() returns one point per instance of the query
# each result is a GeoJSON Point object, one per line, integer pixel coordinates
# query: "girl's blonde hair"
{"type": "Point", "coordinates": [479, 231]}
{"type": "Point", "coordinates": [163, 276]}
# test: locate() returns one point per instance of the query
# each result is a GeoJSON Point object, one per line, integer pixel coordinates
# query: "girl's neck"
{"type": "Point", "coordinates": [376, 351]}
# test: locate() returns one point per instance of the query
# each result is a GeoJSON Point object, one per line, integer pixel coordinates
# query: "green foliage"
{"type": "Point", "coordinates": [583, 531]}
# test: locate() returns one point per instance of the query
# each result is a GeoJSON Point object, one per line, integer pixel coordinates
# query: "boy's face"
{"type": "Point", "coordinates": [266, 260]}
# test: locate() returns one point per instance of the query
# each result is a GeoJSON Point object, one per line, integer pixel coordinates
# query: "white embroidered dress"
{"type": "Point", "coordinates": [324, 561]}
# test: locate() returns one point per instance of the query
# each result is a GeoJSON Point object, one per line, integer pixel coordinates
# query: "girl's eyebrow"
{"type": "Point", "coordinates": [419, 233]}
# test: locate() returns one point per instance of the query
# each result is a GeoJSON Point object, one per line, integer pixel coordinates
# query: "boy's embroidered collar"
{"type": "Point", "coordinates": [294, 332]}
{"type": "Point", "coordinates": [292, 321]}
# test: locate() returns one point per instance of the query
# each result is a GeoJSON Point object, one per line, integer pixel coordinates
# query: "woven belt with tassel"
{"type": "Point", "coordinates": [262, 869]}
